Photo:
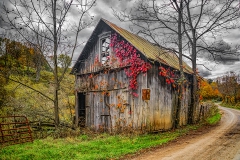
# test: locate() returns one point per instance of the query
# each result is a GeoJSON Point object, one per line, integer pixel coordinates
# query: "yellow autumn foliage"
{"type": "Point", "coordinates": [209, 91]}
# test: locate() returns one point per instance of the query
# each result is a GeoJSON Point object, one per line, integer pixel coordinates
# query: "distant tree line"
{"type": "Point", "coordinates": [230, 88]}
{"type": "Point", "coordinates": [225, 89]}
{"type": "Point", "coordinates": [20, 58]}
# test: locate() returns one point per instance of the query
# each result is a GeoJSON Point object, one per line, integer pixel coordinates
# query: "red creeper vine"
{"type": "Point", "coordinates": [168, 74]}
{"type": "Point", "coordinates": [128, 56]}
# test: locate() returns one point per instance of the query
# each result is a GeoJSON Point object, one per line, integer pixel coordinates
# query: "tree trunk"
{"type": "Point", "coordinates": [38, 66]}
{"type": "Point", "coordinates": [56, 109]}
{"type": "Point", "coordinates": [56, 81]}
{"type": "Point", "coordinates": [195, 95]}
{"type": "Point", "coordinates": [182, 78]}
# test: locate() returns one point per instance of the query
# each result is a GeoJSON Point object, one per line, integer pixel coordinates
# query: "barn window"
{"type": "Point", "coordinates": [105, 51]}
{"type": "Point", "coordinates": [104, 48]}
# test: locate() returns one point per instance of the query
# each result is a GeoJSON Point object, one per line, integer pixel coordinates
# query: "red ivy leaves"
{"type": "Point", "coordinates": [168, 74]}
{"type": "Point", "coordinates": [91, 76]}
{"type": "Point", "coordinates": [128, 56]}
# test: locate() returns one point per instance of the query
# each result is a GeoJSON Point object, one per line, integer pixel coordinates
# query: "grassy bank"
{"type": "Point", "coordinates": [235, 106]}
{"type": "Point", "coordinates": [213, 116]}
{"type": "Point", "coordinates": [102, 146]}
{"type": "Point", "coordinates": [214, 119]}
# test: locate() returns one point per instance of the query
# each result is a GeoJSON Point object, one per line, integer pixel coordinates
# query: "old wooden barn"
{"type": "Point", "coordinates": [126, 82]}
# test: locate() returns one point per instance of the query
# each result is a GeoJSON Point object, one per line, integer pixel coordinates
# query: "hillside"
{"type": "Point", "coordinates": [23, 100]}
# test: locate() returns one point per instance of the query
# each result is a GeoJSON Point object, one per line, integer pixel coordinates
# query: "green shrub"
{"type": "Point", "coordinates": [214, 119]}
{"type": "Point", "coordinates": [210, 113]}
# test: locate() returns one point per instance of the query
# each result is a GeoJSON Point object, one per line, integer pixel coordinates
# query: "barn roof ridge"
{"type": "Point", "coordinates": [148, 49]}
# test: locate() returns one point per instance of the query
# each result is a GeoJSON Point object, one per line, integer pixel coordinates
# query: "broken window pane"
{"type": "Point", "coordinates": [105, 51]}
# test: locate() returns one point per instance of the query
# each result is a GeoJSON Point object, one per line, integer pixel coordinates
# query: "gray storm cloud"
{"type": "Point", "coordinates": [103, 9]}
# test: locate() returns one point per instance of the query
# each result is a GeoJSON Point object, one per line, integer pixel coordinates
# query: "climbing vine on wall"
{"type": "Point", "coordinates": [128, 56]}
{"type": "Point", "coordinates": [169, 75]}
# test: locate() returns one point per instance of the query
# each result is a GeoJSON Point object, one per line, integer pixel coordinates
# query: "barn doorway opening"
{"type": "Point", "coordinates": [81, 109]}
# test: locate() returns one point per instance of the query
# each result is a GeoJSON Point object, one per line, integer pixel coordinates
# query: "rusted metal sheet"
{"type": "Point", "coordinates": [14, 130]}
{"type": "Point", "coordinates": [146, 94]}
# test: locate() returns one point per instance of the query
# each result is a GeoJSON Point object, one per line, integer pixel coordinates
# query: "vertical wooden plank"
{"type": "Point", "coordinates": [76, 108]}
{"type": "Point", "coordinates": [144, 104]}
{"type": "Point", "coordinates": [92, 107]}
{"type": "Point", "coordinates": [96, 111]}
{"type": "Point", "coordinates": [114, 109]}
{"type": "Point", "coordinates": [155, 93]}
{"type": "Point", "coordinates": [88, 109]}
{"type": "Point", "coordinates": [168, 118]}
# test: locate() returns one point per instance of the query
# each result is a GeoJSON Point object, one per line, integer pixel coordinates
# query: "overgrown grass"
{"type": "Point", "coordinates": [214, 119]}
{"type": "Point", "coordinates": [212, 115]}
{"type": "Point", "coordinates": [103, 146]}
{"type": "Point", "coordinates": [235, 106]}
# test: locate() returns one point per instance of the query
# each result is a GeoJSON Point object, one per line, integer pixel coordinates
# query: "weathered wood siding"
{"type": "Point", "coordinates": [154, 114]}
{"type": "Point", "coordinates": [127, 111]}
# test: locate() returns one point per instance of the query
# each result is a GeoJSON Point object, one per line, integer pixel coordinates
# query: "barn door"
{"type": "Point", "coordinates": [81, 109]}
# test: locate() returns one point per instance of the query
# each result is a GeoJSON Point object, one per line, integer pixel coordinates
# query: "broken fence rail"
{"type": "Point", "coordinates": [14, 130]}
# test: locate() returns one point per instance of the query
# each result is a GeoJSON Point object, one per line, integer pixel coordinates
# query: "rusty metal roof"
{"type": "Point", "coordinates": [150, 50]}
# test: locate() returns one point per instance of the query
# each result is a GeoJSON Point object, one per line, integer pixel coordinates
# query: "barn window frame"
{"type": "Point", "coordinates": [104, 48]}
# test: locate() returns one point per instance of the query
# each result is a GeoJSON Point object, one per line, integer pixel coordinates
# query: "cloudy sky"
{"type": "Point", "coordinates": [215, 69]}
{"type": "Point", "coordinates": [103, 9]}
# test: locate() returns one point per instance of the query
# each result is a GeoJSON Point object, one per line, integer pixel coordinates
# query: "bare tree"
{"type": "Point", "coordinates": [201, 19]}
{"type": "Point", "coordinates": [156, 21]}
{"type": "Point", "coordinates": [229, 87]}
{"type": "Point", "coordinates": [49, 24]}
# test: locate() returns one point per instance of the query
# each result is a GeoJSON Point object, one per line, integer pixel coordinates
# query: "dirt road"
{"type": "Point", "coordinates": [220, 143]}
